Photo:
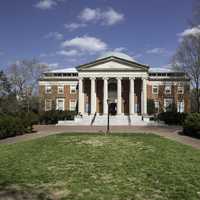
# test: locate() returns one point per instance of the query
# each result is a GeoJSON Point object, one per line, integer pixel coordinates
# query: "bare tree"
{"type": "Point", "coordinates": [187, 59]}
{"type": "Point", "coordinates": [24, 76]}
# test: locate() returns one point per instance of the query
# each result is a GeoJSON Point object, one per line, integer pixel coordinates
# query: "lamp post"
{"type": "Point", "coordinates": [108, 122]}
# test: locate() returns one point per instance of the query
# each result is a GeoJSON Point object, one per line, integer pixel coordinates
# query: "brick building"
{"type": "Point", "coordinates": [117, 78]}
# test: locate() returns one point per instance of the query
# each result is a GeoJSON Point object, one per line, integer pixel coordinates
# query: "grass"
{"type": "Point", "coordinates": [95, 167]}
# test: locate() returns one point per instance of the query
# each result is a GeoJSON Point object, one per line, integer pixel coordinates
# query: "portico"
{"type": "Point", "coordinates": [112, 88]}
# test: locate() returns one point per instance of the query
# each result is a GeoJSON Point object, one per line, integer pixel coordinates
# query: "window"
{"type": "Point", "coordinates": [60, 104]}
{"type": "Point", "coordinates": [72, 89]}
{"type": "Point", "coordinates": [155, 89]}
{"type": "Point", "coordinates": [180, 106]}
{"type": "Point", "coordinates": [180, 90]}
{"type": "Point", "coordinates": [157, 106]}
{"type": "Point", "coordinates": [48, 104]}
{"type": "Point", "coordinates": [72, 105]}
{"type": "Point", "coordinates": [60, 89]}
{"type": "Point", "coordinates": [48, 89]}
{"type": "Point", "coordinates": [168, 104]}
{"type": "Point", "coordinates": [168, 89]}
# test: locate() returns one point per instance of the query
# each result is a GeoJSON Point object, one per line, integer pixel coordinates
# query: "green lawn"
{"type": "Point", "coordinates": [118, 167]}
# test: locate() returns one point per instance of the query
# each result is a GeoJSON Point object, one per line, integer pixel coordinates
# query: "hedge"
{"type": "Point", "coordinates": [52, 117]}
{"type": "Point", "coordinates": [192, 125]}
{"type": "Point", "coordinates": [19, 124]}
{"type": "Point", "coordinates": [172, 118]}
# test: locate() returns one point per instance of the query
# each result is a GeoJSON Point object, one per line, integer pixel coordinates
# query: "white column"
{"type": "Point", "coordinates": [144, 96]}
{"type": "Point", "coordinates": [105, 96]}
{"type": "Point", "coordinates": [80, 97]}
{"type": "Point", "coordinates": [93, 96]}
{"type": "Point", "coordinates": [119, 96]}
{"type": "Point", "coordinates": [132, 96]}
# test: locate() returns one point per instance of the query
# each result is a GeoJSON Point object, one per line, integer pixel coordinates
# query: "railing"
{"type": "Point", "coordinates": [93, 119]}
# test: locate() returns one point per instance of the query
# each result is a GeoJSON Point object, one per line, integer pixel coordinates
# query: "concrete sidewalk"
{"type": "Point", "coordinates": [170, 132]}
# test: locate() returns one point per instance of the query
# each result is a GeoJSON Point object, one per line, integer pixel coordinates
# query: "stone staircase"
{"type": "Point", "coordinates": [78, 121]}
{"type": "Point", "coordinates": [102, 120]}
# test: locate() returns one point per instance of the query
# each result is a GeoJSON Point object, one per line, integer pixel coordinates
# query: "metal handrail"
{"type": "Point", "coordinates": [93, 119]}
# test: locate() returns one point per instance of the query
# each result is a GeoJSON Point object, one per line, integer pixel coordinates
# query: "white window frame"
{"type": "Point", "coordinates": [48, 101]}
{"type": "Point", "coordinates": [48, 89]}
{"type": "Point", "coordinates": [165, 103]}
{"type": "Point", "coordinates": [180, 108]}
{"type": "Point", "coordinates": [71, 106]}
{"type": "Point", "coordinates": [155, 87]}
{"type": "Point", "coordinates": [157, 105]}
{"type": "Point", "coordinates": [72, 89]}
{"type": "Point", "coordinates": [63, 104]}
{"type": "Point", "coordinates": [62, 88]}
{"type": "Point", "coordinates": [168, 88]}
{"type": "Point", "coordinates": [180, 88]}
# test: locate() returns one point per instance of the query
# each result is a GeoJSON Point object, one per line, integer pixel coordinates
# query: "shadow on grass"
{"type": "Point", "coordinates": [24, 193]}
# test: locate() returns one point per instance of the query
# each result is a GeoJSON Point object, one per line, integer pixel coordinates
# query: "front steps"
{"type": "Point", "coordinates": [102, 120]}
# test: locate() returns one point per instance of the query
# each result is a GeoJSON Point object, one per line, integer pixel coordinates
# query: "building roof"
{"type": "Point", "coordinates": [122, 59]}
{"type": "Point", "coordinates": [116, 54]}
{"type": "Point", "coordinates": [160, 70]}
{"type": "Point", "coordinates": [65, 70]}
{"type": "Point", "coordinates": [165, 70]}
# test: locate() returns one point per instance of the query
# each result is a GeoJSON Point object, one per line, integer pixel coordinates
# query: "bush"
{"type": "Point", "coordinates": [172, 118]}
{"type": "Point", "coordinates": [52, 117]}
{"type": "Point", "coordinates": [192, 125]}
{"type": "Point", "coordinates": [14, 125]}
{"type": "Point", "coordinates": [150, 107]}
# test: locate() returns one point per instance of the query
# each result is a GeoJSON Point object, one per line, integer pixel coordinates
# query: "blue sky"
{"type": "Point", "coordinates": [66, 33]}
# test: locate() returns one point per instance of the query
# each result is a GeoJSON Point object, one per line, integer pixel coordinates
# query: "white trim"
{"type": "Point", "coordinates": [178, 89]}
{"type": "Point", "coordinates": [63, 104]}
{"type": "Point", "coordinates": [180, 106]}
{"type": "Point", "coordinates": [58, 89]}
{"type": "Point", "coordinates": [48, 87]}
{"type": "Point", "coordinates": [45, 106]}
{"type": "Point", "coordinates": [153, 87]}
{"type": "Point", "coordinates": [165, 103]}
{"type": "Point", "coordinates": [73, 87]}
{"type": "Point", "coordinates": [168, 88]}
{"type": "Point", "coordinates": [113, 74]}
{"type": "Point", "coordinates": [70, 104]}
{"type": "Point", "coordinates": [50, 83]}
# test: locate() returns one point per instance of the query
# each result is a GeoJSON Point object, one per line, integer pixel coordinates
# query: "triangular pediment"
{"type": "Point", "coordinates": [113, 64]}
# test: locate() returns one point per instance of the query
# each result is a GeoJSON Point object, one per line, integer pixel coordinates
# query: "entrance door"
{"type": "Point", "coordinates": [113, 108]}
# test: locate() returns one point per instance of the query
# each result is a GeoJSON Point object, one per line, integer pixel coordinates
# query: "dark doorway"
{"type": "Point", "coordinates": [113, 108]}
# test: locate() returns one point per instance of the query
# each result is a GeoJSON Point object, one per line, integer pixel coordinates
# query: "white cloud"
{"type": "Point", "coordinates": [86, 43]}
{"type": "Point", "coordinates": [195, 31]}
{"type": "Point", "coordinates": [74, 26]}
{"type": "Point", "coordinates": [89, 14]}
{"type": "Point", "coordinates": [47, 4]}
{"type": "Point", "coordinates": [112, 17]}
{"type": "Point", "coordinates": [108, 17]}
{"type": "Point", "coordinates": [55, 35]}
{"type": "Point", "coordinates": [72, 52]}
{"type": "Point", "coordinates": [156, 51]}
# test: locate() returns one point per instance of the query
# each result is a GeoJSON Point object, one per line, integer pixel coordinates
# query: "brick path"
{"type": "Point", "coordinates": [171, 132]}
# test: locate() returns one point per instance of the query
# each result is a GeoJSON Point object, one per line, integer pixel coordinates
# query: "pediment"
{"type": "Point", "coordinates": [113, 64]}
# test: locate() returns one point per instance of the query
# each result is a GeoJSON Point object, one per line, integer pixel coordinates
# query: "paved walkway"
{"type": "Point", "coordinates": [164, 131]}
